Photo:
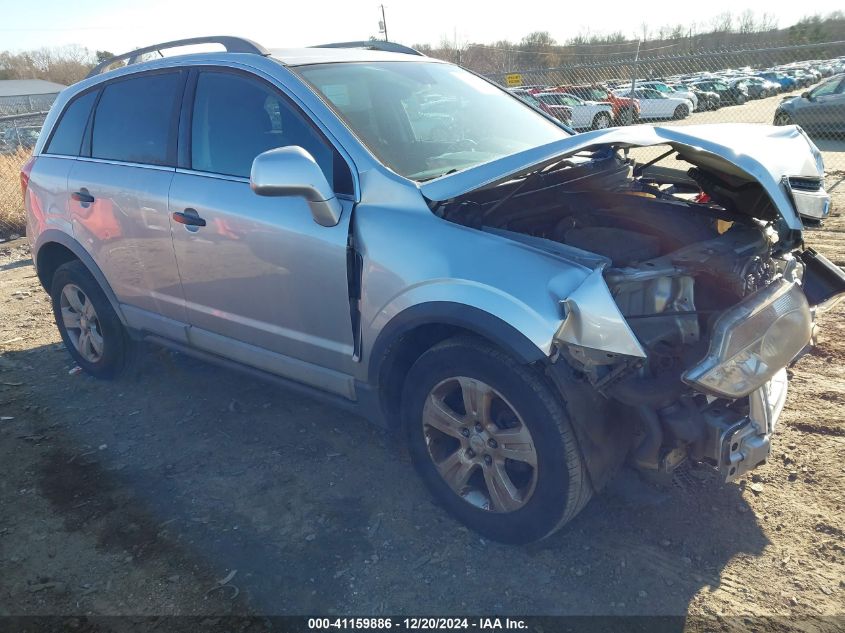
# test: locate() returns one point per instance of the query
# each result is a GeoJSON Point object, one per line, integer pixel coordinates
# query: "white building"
{"type": "Point", "coordinates": [27, 95]}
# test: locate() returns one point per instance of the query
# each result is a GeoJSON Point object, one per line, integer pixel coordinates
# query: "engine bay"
{"type": "Point", "coordinates": [677, 249]}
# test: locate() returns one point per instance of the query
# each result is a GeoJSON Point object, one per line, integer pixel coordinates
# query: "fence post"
{"type": "Point", "coordinates": [634, 78]}
{"type": "Point", "coordinates": [17, 133]}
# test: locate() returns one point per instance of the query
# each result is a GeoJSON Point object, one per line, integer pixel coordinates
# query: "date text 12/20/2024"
{"type": "Point", "coordinates": [411, 624]}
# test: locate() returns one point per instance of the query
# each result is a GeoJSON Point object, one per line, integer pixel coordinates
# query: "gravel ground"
{"type": "Point", "coordinates": [187, 489]}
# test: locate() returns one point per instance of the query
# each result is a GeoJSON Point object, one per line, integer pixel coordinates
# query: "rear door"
{"type": "Point", "coordinates": [264, 283]}
{"type": "Point", "coordinates": [47, 196]}
{"type": "Point", "coordinates": [118, 193]}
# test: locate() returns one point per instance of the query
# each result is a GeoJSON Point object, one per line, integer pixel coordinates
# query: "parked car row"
{"type": "Point", "coordinates": [581, 107]}
{"type": "Point", "coordinates": [596, 106]}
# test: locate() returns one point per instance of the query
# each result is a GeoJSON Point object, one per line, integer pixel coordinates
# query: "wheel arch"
{"type": "Point", "coordinates": [55, 248]}
{"type": "Point", "coordinates": [418, 328]}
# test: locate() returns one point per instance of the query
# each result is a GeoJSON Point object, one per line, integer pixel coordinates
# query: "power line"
{"type": "Point", "coordinates": [567, 49]}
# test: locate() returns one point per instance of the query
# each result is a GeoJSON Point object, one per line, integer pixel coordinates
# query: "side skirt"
{"type": "Point", "coordinates": [366, 405]}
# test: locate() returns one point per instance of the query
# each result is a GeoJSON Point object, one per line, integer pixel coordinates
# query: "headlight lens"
{"type": "Point", "coordinates": [754, 340]}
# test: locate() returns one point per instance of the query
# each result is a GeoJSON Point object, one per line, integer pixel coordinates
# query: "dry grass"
{"type": "Point", "coordinates": [12, 216]}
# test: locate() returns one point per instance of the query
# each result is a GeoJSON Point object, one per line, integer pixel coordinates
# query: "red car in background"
{"type": "Point", "coordinates": [625, 109]}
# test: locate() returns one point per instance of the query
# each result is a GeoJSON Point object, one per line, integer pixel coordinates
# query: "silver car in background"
{"type": "Point", "coordinates": [529, 308]}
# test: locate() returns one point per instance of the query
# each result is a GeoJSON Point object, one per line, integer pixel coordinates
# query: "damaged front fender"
{"type": "Point", "coordinates": [593, 320]}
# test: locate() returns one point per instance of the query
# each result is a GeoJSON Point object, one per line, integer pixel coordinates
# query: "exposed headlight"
{"type": "Point", "coordinates": [753, 340]}
{"type": "Point", "coordinates": [809, 197]}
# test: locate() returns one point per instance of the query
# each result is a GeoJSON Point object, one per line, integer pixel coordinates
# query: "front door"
{"type": "Point", "coordinates": [263, 282]}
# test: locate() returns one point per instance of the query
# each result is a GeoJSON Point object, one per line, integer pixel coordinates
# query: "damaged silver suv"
{"type": "Point", "coordinates": [528, 307]}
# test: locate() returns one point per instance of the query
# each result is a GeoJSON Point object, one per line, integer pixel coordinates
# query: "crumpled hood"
{"type": "Point", "coordinates": [761, 153]}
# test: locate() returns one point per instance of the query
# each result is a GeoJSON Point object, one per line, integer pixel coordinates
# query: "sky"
{"type": "Point", "coordinates": [119, 26]}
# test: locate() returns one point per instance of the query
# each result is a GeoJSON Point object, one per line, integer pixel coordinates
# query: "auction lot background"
{"type": "Point", "coordinates": [184, 489]}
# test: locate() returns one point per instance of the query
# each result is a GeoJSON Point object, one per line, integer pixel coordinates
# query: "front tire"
{"type": "Point", "coordinates": [782, 118]}
{"type": "Point", "coordinates": [89, 326]}
{"type": "Point", "coordinates": [601, 121]}
{"type": "Point", "coordinates": [492, 442]}
{"type": "Point", "coordinates": [681, 112]}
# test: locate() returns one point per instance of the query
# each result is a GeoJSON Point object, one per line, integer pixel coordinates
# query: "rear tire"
{"type": "Point", "coordinates": [89, 326]}
{"type": "Point", "coordinates": [681, 112]}
{"type": "Point", "coordinates": [626, 116]}
{"type": "Point", "coordinates": [494, 407]}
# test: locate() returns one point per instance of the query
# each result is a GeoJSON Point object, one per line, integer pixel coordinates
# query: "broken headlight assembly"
{"type": "Point", "coordinates": [753, 340]}
{"type": "Point", "coordinates": [810, 199]}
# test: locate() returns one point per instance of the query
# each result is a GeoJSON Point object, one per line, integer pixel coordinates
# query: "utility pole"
{"type": "Point", "coordinates": [634, 70]}
{"type": "Point", "coordinates": [383, 24]}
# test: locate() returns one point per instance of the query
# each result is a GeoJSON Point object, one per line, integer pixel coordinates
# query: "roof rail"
{"type": "Point", "coordinates": [231, 44]}
{"type": "Point", "coordinates": [374, 45]}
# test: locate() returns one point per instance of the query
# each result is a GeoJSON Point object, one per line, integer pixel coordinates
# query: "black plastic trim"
{"type": "Point", "coordinates": [58, 237]}
{"type": "Point", "coordinates": [456, 314]}
{"type": "Point", "coordinates": [823, 280]}
{"type": "Point", "coordinates": [374, 45]}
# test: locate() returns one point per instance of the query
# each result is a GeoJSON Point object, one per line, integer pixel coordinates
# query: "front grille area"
{"type": "Point", "coordinates": [805, 184]}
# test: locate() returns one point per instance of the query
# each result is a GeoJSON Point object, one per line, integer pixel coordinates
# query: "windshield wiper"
{"type": "Point", "coordinates": [445, 173]}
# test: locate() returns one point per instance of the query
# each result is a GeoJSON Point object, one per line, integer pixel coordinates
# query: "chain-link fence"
{"type": "Point", "coordinates": [18, 134]}
{"type": "Point", "coordinates": [779, 85]}
{"type": "Point", "coordinates": [803, 84]}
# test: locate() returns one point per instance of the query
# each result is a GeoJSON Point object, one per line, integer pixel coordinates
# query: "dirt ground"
{"type": "Point", "coordinates": [187, 489]}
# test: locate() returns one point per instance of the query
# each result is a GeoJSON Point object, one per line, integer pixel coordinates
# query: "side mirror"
{"type": "Point", "coordinates": [292, 172]}
{"type": "Point", "coordinates": [806, 95]}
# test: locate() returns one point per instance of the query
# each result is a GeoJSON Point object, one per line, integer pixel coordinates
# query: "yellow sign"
{"type": "Point", "coordinates": [513, 80]}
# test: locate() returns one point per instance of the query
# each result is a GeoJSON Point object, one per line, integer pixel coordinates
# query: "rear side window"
{"type": "Point", "coordinates": [136, 119]}
{"type": "Point", "coordinates": [236, 118]}
{"type": "Point", "coordinates": [67, 139]}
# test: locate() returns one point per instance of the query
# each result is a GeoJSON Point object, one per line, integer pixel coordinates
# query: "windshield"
{"type": "Point", "coordinates": [426, 119]}
{"type": "Point", "coordinates": [527, 97]}
{"type": "Point", "coordinates": [558, 99]}
{"type": "Point", "coordinates": [593, 94]}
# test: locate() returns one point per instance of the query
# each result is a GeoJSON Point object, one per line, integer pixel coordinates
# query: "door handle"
{"type": "Point", "coordinates": [188, 217]}
{"type": "Point", "coordinates": [82, 196]}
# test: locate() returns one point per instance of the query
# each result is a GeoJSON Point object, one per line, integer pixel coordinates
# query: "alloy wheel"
{"type": "Point", "coordinates": [480, 445]}
{"type": "Point", "coordinates": [782, 118]}
{"type": "Point", "coordinates": [81, 323]}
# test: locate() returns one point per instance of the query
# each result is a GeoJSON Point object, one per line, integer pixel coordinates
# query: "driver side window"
{"type": "Point", "coordinates": [236, 118]}
{"type": "Point", "coordinates": [827, 89]}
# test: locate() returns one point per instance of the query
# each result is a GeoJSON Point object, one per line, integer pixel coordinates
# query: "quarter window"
{"type": "Point", "coordinates": [135, 120]}
{"type": "Point", "coordinates": [67, 138]}
{"type": "Point", "coordinates": [236, 118]}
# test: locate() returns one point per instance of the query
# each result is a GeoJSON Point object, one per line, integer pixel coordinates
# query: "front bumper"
{"type": "Point", "coordinates": [737, 442]}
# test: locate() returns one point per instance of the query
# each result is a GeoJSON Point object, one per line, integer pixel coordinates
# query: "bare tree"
{"type": "Point", "coordinates": [723, 23]}
{"type": "Point", "coordinates": [65, 65]}
{"type": "Point", "coordinates": [537, 50]}
{"type": "Point", "coordinates": [747, 22]}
